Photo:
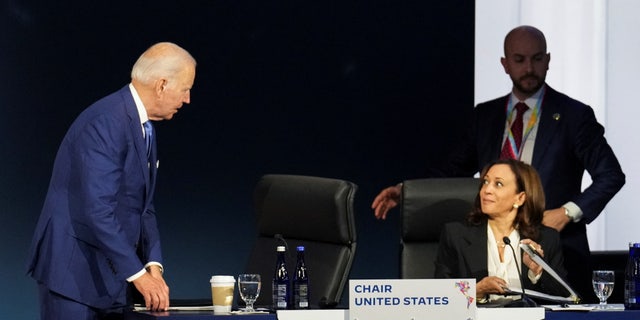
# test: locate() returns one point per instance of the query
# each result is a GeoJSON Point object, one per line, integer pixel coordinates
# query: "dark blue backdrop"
{"type": "Point", "coordinates": [368, 91]}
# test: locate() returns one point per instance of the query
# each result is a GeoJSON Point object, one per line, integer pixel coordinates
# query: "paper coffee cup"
{"type": "Point", "coordinates": [222, 293]}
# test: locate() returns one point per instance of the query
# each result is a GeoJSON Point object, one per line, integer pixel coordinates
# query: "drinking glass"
{"type": "Point", "coordinates": [603, 281]}
{"type": "Point", "coordinates": [249, 288]}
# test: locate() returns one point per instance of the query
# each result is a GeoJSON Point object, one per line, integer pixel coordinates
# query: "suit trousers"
{"type": "Point", "coordinates": [54, 306]}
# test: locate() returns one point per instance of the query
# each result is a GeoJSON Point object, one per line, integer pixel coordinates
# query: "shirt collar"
{"type": "Point", "coordinates": [532, 101]}
{"type": "Point", "coordinates": [142, 112]}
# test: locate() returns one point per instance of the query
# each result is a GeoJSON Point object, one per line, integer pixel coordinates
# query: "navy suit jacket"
{"type": "Point", "coordinates": [98, 224]}
{"type": "Point", "coordinates": [568, 142]}
{"type": "Point", "coordinates": [462, 253]}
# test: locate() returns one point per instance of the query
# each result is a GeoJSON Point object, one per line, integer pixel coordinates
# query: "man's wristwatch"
{"type": "Point", "coordinates": [566, 213]}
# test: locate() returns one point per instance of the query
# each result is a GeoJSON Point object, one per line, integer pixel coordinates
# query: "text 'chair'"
{"type": "Point", "coordinates": [427, 205]}
{"type": "Point", "coordinates": [316, 213]}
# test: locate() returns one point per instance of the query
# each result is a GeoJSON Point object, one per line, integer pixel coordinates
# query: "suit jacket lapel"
{"type": "Point", "coordinates": [475, 250]}
{"type": "Point", "coordinates": [138, 138]}
{"type": "Point", "coordinates": [495, 123]}
{"type": "Point", "coordinates": [550, 117]}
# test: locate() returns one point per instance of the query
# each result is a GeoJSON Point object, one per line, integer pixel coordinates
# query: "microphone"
{"type": "Point", "coordinates": [525, 301]}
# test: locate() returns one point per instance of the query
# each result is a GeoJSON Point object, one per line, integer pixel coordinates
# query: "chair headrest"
{"type": "Point", "coordinates": [305, 207]}
{"type": "Point", "coordinates": [428, 204]}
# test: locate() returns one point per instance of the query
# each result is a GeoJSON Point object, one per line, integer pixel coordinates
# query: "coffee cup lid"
{"type": "Point", "coordinates": [222, 279]}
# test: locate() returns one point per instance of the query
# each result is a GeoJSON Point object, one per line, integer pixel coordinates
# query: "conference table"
{"type": "Point", "coordinates": [343, 314]}
{"type": "Point", "coordinates": [593, 315]}
{"type": "Point", "coordinates": [194, 315]}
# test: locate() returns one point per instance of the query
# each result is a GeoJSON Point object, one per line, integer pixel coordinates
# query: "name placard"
{"type": "Point", "coordinates": [412, 299]}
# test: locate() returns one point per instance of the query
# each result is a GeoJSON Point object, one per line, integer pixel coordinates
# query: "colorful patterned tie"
{"type": "Point", "coordinates": [509, 152]}
{"type": "Point", "coordinates": [148, 137]}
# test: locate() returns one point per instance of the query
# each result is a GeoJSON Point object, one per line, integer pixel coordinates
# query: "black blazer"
{"type": "Point", "coordinates": [462, 253]}
{"type": "Point", "coordinates": [568, 142]}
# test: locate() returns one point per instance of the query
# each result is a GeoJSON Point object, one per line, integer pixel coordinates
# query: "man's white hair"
{"type": "Point", "coordinates": [162, 60]}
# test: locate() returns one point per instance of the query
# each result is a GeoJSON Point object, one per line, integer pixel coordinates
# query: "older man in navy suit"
{"type": "Point", "coordinates": [560, 138]}
{"type": "Point", "coordinates": [97, 232]}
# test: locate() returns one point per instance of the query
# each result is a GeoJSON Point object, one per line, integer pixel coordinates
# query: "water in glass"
{"type": "Point", "coordinates": [249, 288]}
{"type": "Point", "coordinates": [603, 281]}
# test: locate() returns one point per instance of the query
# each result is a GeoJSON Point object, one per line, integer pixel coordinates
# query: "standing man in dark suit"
{"type": "Point", "coordinates": [97, 237]}
{"type": "Point", "coordinates": [561, 138]}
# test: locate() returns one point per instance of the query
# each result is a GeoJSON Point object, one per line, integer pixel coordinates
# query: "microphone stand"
{"type": "Point", "coordinates": [281, 239]}
{"type": "Point", "coordinates": [525, 301]}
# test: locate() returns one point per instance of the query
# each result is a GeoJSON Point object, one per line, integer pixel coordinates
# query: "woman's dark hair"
{"type": "Point", "coordinates": [529, 217]}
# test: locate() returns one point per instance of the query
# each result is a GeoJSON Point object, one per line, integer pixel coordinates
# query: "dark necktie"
{"type": "Point", "coordinates": [148, 136]}
{"type": "Point", "coordinates": [516, 129]}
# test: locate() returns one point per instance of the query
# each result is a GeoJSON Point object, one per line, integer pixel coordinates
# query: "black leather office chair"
{"type": "Point", "coordinates": [427, 204]}
{"type": "Point", "coordinates": [315, 212]}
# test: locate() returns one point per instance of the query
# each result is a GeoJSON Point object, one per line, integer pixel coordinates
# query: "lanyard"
{"type": "Point", "coordinates": [532, 122]}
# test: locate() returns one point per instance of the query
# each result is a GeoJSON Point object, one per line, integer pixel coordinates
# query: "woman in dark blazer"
{"type": "Point", "coordinates": [510, 203]}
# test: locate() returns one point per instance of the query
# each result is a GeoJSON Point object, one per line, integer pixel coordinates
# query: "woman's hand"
{"type": "Point", "coordinates": [490, 285]}
{"type": "Point", "coordinates": [528, 261]}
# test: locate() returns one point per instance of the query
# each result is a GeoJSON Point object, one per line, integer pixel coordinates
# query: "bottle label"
{"type": "Point", "coordinates": [301, 294]}
{"type": "Point", "coordinates": [631, 294]}
{"type": "Point", "coordinates": [281, 296]}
